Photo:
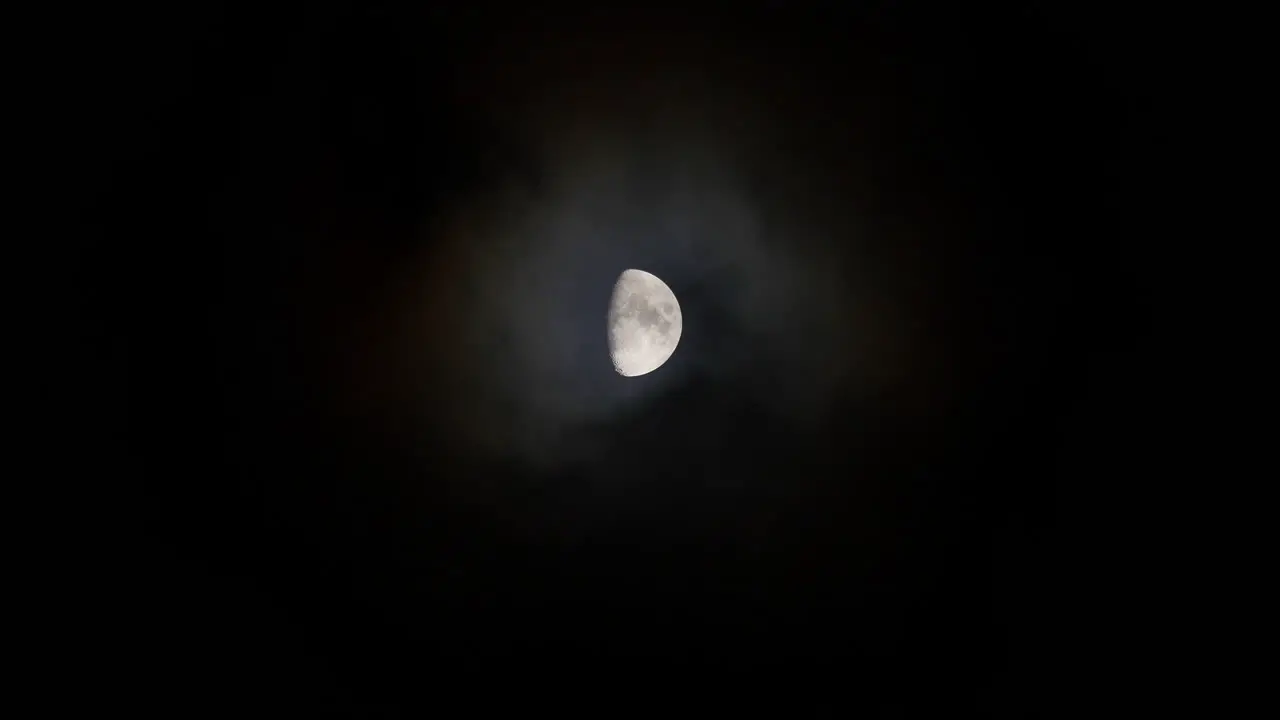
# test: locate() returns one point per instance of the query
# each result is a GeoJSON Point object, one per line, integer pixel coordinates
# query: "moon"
{"type": "Point", "coordinates": [644, 323]}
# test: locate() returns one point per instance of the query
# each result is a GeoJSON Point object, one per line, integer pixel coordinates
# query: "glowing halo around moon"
{"type": "Point", "coordinates": [644, 323]}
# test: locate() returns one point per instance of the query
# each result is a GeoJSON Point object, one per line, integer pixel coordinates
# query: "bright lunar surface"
{"type": "Point", "coordinates": [644, 323]}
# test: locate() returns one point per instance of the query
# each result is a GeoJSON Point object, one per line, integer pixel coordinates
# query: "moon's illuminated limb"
{"type": "Point", "coordinates": [644, 323]}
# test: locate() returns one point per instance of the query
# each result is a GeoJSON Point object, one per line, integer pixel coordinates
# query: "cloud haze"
{"type": "Point", "coordinates": [751, 212]}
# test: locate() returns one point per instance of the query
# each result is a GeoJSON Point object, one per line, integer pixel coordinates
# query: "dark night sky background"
{"type": "Point", "coordinates": [348, 318]}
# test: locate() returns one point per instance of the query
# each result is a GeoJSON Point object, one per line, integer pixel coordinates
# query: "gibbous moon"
{"type": "Point", "coordinates": [644, 323]}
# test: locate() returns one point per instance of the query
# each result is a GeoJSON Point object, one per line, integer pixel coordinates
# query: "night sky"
{"type": "Point", "coordinates": [352, 357]}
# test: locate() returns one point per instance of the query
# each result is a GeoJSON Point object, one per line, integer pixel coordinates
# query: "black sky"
{"type": "Point", "coordinates": [349, 323]}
